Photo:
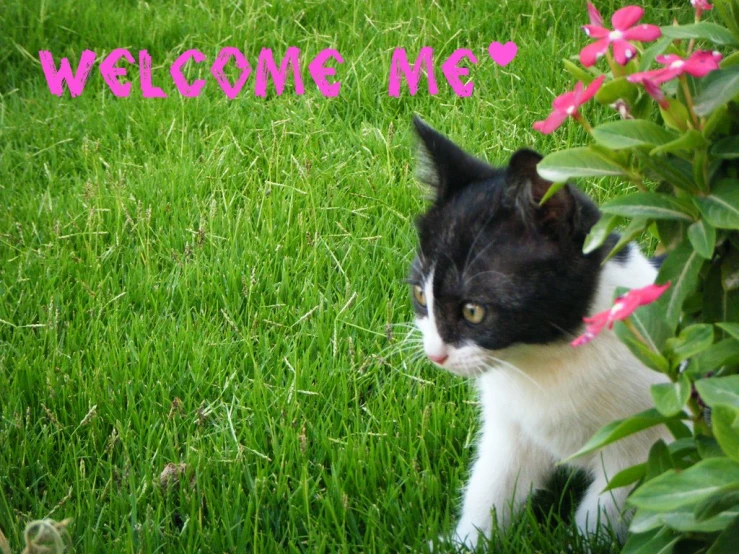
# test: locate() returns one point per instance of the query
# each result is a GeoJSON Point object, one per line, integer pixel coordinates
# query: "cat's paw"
{"type": "Point", "coordinates": [465, 536]}
{"type": "Point", "coordinates": [460, 539]}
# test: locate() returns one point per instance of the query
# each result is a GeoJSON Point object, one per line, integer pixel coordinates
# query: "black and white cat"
{"type": "Point", "coordinates": [500, 286]}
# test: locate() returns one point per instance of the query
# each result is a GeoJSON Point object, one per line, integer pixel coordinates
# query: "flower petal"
{"type": "Point", "coordinates": [655, 92]}
{"type": "Point", "coordinates": [594, 14]}
{"type": "Point", "coordinates": [667, 59]}
{"type": "Point", "coordinates": [593, 31]}
{"type": "Point", "coordinates": [626, 17]}
{"type": "Point", "coordinates": [583, 339]}
{"type": "Point", "coordinates": [551, 123]}
{"type": "Point", "coordinates": [591, 90]}
{"type": "Point", "coordinates": [643, 33]}
{"type": "Point", "coordinates": [623, 51]}
{"type": "Point", "coordinates": [645, 76]}
{"type": "Point", "coordinates": [566, 100]}
{"type": "Point", "coordinates": [590, 54]}
{"type": "Point", "coordinates": [700, 64]}
{"type": "Point", "coordinates": [623, 307]}
{"type": "Point", "coordinates": [650, 293]}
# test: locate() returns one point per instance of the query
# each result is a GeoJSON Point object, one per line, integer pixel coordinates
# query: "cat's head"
{"type": "Point", "coordinates": [494, 268]}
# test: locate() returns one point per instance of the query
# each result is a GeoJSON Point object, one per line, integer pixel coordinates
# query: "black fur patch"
{"type": "Point", "coordinates": [489, 242]}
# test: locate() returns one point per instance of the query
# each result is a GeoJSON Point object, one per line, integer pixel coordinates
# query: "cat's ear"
{"type": "Point", "coordinates": [526, 188]}
{"type": "Point", "coordinates": [445, 166]}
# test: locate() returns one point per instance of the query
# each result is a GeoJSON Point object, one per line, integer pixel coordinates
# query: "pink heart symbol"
{"type": "Point", "coordinates": [503, 54]}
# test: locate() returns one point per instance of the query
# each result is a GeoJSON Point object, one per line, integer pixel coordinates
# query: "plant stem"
{"type": "Point", "coordinates": [582, 121]}
{"type": "Point", "coordinates": [698, 419]}
{"type": "Point", "coordinates": [612, 64]}
{"type": "Point", "coordinates": [631, 327]}
{"type": "Point", "coordinates": [689, 100]}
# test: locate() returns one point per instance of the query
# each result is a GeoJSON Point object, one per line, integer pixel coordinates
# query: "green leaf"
{"type": "Point", "coordinates": [649, 321]}
{"type": "Point", "coordinates": [721, 207]}
{"type": "Point", "coordinates": [617, 89]}
{"type": "Point", "coordinates": [681, 267]}
{"type": "Point", "coordinates": [715, 504]}
{"type": "Point", "coordinates": [650, 358]}
{"type": "Point", "coordinates": [622, 428]}
{"type": "Point", "coordinates": [689, 140]}
{"type": "Point", "coordinates": [645, 521]}
{"type": "Point", "coordinates": [672, 170]}
{"type": "Point", "coordinates": [553, 189]}
{"type": "Point", "coordinates": [670, 398]}
{"type": "Point", "coordinates": [719, 305]}
{"type": "Point", "coordinates": [700, 161]}
{"type": "Point", "coordinates": [728, 541]}
{"type": "Point", "coordinates": [657, 541]}
{"type": "Point", "coordinates": [576, 162]}
{"type": "Point", "coordinates": [653, 205]}
{"type": "Point", "coordinates": [731, 328]}
{"type": "Point", "coordinates": [717, 121]}
{"type": "Point", "coordinates": [703, 30]}
{"type": "Point", "coordinates": [730, 271]}
{"type": "Point", "coordinates": [600, 232]}
{"type": "Point", "coordinates": [714, 358]}
{"type": "Point", "coordinates": [727, 148]}
{"type": "Point", "coordinates": [671, 232]}
{"type": "Point", "coordinates": [725, 425]}
{"type": "Point", "coordinates": [627, 477]}
{"type": "Point", "coordinates": [728, 10]}
{"type": "Point", "coordinates": [635, 228]}
{"type": "Point", "coordinates": [654, 50]}
{"type": "Point", "coordinates": [683, 447]}
{"type": "Point", "coordinates": [659, 460]}
{"type": "Point", "coordinates": [702, 236]}
{"type": "Point", "coordinates": [673, 490]}
{"type": "Point", "coordinates": [577, 72]}
{"type": "Point", "coordinates": [708, 447]}
{"type": "Point", "coordinates": [676, 116]}
{"type": "Point", "coordinates": [629, 133]}
{"type": "Point", "coordinates": [719, 390]}
{"type": "Point", "coordinates": [691, 341]}
{"type": "Point", "coordinates": [683, 519]}
{"type": "Point", "coordinates": [719, 87]}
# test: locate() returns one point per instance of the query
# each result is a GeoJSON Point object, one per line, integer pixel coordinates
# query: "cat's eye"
{"type": "Point", "coordinates": [419, 295]}
{"type": "Point", "coordinates": [474, 313]}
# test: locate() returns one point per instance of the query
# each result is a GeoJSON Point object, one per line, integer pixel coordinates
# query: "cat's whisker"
{"type": "Point", "coordinates": [565, 332]}
{"type": "Point", "coordinates": [517, 370]}
{"type": "Point", "coordinates": [480, 253]}
{"type": "Point", "coordinates": [474, 242]}
{"type": "Point", "coordinates": [476, 275]}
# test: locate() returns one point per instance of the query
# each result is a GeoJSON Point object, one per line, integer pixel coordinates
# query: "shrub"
{"type": "Point", "coordinates": [675, 91]}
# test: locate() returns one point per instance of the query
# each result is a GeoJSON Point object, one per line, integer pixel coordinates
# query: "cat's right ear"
{"type": "Point", "coordinates": [445, 166]}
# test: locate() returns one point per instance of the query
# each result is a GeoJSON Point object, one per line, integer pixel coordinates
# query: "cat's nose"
{"type": "Point", "coordinates": [438, 359]}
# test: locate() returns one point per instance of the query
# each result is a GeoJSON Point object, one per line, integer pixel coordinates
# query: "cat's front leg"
{"type": "Point", "coordinates": [508, 467]}
{"type": "Point", "coordinates": [600, 508]}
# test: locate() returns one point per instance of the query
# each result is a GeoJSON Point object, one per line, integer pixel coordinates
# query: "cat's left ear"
{"type": "Point", "coordinates": [445, 166]}
{"type": "Point", "coordinates": [526, 188]}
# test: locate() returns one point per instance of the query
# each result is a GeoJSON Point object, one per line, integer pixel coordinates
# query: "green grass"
{"type": "Point", "coordinates": [219, 283]}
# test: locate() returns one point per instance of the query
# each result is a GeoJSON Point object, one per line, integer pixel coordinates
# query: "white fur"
{"type": "Point", "coordinates": [541, 404]}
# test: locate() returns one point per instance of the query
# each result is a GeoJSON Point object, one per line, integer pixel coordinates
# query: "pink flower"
{"type": "Point", "coordinates": [655, 92]}
{"type": "Point", "coordinates": [700, 7]}
{"type": "Point", "coordinates": [567, 104]}
{"type": "Point", "coordinates": [623, 307]}
{"type": "Point", "coordinates": [623, 21]}
{"type": "Point", "coordinates": [698, 64]}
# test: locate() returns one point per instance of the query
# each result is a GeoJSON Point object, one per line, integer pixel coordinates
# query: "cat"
{"type": "Point", "coordinates": [500, 286]}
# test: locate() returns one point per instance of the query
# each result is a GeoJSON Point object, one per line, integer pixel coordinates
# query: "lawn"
{"type": "Point", "coordinates": [218, 284]}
